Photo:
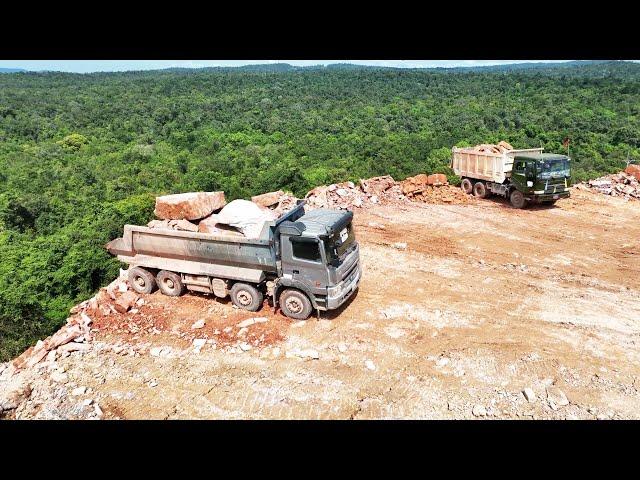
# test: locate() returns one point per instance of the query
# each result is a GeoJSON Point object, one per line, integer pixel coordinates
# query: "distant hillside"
{"type": "Point", "coordinates": [582, 68]}
{"type": "Point", "coordinates": [11, 70]}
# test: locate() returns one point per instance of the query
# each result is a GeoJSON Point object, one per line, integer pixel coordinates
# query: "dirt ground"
{"type": "Point", "coordinates": [483, 302]}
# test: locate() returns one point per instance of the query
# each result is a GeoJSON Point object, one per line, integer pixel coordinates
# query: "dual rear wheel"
{"type": "Point", "coordinates": [294, 303]}
{"type": "Point", "coordinates": [478, 189]}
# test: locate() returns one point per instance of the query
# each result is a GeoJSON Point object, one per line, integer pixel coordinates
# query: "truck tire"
{"type": "Point", "coordinates": [170, 283]}
{"type": "Point", "coordinates": [295, 304]}
{"type": "Point", "coordinates": [141, 280]}
{"type": "Point", "coordinates": [466, 186]}
{"type": "Point", "coordinates": [480, 190]}
{"type": "Point", "coordinates": [246, 296]}
{"type": "Point", "coordinates": [517, 199]}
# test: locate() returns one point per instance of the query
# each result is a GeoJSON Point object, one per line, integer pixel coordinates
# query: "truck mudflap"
{"type": "Point", "coordinates": [346, 292]}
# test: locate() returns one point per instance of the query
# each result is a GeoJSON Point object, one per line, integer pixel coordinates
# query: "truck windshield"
{"type": "Point", "coordinates": [554, 169]}
{"type": "Point", "coordinates": [339, 244]}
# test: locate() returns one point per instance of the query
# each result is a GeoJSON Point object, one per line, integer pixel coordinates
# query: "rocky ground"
{"type": "Point", "coordinates": [466, 310]}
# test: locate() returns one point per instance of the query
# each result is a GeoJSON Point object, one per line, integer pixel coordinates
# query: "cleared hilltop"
{"type": "Point", "coordinates": [81, 155]}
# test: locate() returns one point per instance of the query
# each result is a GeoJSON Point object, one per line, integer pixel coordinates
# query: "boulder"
{"type": "Point", "coordinates": [268, 199]}
{"type": "Point", "coordinates": [188, 206]}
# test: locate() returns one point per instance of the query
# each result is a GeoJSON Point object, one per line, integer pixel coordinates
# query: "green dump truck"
{"type": "Point", "coordinates": [522, 176]}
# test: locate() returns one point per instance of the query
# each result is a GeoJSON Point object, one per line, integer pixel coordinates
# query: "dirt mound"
{"type": "Point", "coordinates": [446, 194]}
{"type": "Point", "coordinates": [433, 189]}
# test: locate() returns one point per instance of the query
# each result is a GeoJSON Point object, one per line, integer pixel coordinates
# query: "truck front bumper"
{"type": "Point", "coordinates": [547, 197]}
{"type": "Point", "coordinates": [347, 291]}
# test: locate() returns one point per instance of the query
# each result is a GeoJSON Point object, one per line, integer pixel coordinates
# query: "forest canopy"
{"type": "Point", "coordinates": [81, 155]}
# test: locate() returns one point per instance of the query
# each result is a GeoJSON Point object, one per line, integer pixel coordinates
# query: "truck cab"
{"type": "Point", "coordinates": [319, 255]}
{"type": "Point", "coordinates": [541, 177]}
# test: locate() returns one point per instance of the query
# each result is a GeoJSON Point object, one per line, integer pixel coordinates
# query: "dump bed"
{"type": "Point", "coordinates": [494, 167]}
{"type": "Point", "coordinates": [196, 253]}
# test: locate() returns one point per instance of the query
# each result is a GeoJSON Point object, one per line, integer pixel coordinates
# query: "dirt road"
{"type": "Point", "coordinates": [483, 302]}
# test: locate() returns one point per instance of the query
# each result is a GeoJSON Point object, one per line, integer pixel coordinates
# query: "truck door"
{"type": "Point", "coordinates": [303, 261]}
{"type": "Point", "coordinates": [518, 175]}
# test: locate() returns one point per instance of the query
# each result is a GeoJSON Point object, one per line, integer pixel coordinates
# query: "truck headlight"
{"type": "Point", "coordinates": [334, 291]}
{"type": "Point", "coordinates": [529, 183]}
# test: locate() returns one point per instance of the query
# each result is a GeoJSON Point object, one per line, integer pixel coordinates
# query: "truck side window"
{"type": "Point", "coordinates": [306, 250]}
{"type": "Point", "coordinates": [519, 166]}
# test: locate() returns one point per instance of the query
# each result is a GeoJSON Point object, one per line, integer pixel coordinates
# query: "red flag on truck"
{"type": "Point", "coordinates": [565, 142]}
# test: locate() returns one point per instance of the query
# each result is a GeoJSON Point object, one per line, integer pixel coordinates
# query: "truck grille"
{"type": "Point", "coordinates": [352, 273]}
{"type": "Point", "coordinates": [554, 188]}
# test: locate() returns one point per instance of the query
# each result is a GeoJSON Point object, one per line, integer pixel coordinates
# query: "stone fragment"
{"type": "Point", "coordinates": [479, 411]}
{"type": "Point", "coordinates": [529, 394]}
{"type": "Point", "coordinates": [125, 302]}
{"type": "Point", "coordinates": [556, 397]}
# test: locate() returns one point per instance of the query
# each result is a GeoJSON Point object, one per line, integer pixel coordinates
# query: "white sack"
{"type": "Point", "coordinates": [246, 216]}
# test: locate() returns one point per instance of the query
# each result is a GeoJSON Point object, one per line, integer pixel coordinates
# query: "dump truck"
{"type": "Point", "coordinates": [522, 176]}
{"type": "Point", "coordinates": [300, 261]}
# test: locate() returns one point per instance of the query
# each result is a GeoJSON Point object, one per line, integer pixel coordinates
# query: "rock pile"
{"type": "Point", "coordinates": [19, 376]}
{"type": "Point", "coordinates": [385, 190]}
{"type": "Point", "coordinates": [433, 189]}
{"type": "Point", "coordinates": [208, 212]}
{"type": "Point", "coordinates": [413, 186]}
{"type": "Point", "coordinates": [624, 184]}
{"type": "Point", "coordinates": [184, 225]}
{"type": "Point", "coordinates": [500, 147]}
{"type": "Point", "coordinates": [347, 195]}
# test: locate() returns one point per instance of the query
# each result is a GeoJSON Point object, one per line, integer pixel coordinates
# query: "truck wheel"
{"type": "Point", "coordinates": [517, 199]}
{"type": "Point", "coordinates": [295, 304]}
{"type": "Point", "coordinates": [246, 296]}
{"type": "Point", "coordinates": [141, 280]}
{"type": "Point", "coordinates": [467, 186]}
{"type": "Point", "coordinates": [170, 283]}
{"type": "Point", "coordinates": [480, 190]}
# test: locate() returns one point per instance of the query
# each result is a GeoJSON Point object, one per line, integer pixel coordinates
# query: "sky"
{"type": "Point", "coordinates": [88, 66]}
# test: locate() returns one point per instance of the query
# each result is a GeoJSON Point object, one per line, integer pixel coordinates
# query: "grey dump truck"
{"type": "Point", "coordinates": [301, 261]}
